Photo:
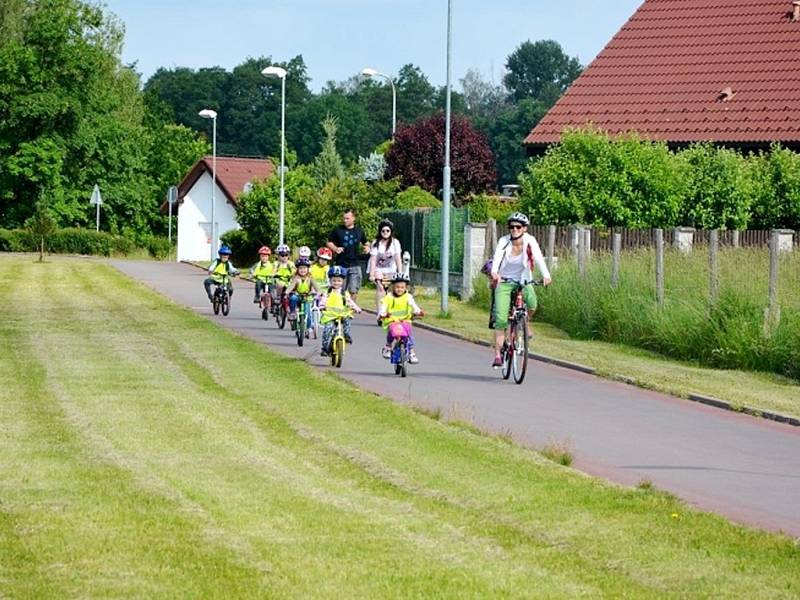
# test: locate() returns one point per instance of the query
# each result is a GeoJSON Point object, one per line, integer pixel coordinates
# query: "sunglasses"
{"type": "Point", "coordinates": [512, 227]}
{"type": "Point", "coordinates": [386, 230]}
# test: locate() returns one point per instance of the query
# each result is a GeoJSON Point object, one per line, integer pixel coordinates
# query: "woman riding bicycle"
{"type": "Point", "coordinates": [513, 263]}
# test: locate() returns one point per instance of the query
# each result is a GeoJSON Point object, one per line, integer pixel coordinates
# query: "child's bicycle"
{"type": "Point", "coordinates": [515, 348]}
{"type": "Point", "coordinates": [265, 301]}
{"type": "Point", "coordinates": [221, 299]}
{"type": "Point", "coordinates": [314, 317]}
{"type": "Point", "coordinates": [338, 342]}
{"type": "Point", "coordinates": [302, 323]}
{"type": "Point", "coordinates": [399, 355]}
{"type": "Point", "coordinates": [280, 308]}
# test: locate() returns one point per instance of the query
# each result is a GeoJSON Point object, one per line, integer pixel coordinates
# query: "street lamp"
{"type": "Point", "coordinates": [280, 73]}
{"type": "Point", "coordinates": [369, 72]}
{"type": "Point", "coordinates": [207, 113]}
{"type": "Point", "coordinates": [445, 252]}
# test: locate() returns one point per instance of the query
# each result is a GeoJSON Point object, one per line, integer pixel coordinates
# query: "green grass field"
{"type": "Point", "coordinates": [147, 452]}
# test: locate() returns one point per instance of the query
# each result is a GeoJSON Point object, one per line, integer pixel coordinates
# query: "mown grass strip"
{"type": "Point", "coordinates": [151, 453]}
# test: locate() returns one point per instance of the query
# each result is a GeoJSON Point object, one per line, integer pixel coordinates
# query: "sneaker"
{"type": "Point", "coordinates": [412, 357]}
{"type": "Point", "coordinates": [348, 339]}
{"type": "Point", "coordinates": [498, 362]}
{"type": "Point", "coordinates": [386, 352]}
{"type": "Point", "coordinates": [324, 352]}
{"type": "Point", "coordinates": [256, 300]}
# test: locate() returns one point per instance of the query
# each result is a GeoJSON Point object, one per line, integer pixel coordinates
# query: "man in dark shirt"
{"type": "Point", "coordinates": [347, 242]}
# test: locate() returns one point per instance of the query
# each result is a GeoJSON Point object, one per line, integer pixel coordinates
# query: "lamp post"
{"type": "Point", "coordinates": [445, 252]}
{"type": "Point", "coordinates": [207, 113]}
{"type": "Point", "coordinates": [369, 72]}
{"type": "Point", "coordinates": [280, 73]}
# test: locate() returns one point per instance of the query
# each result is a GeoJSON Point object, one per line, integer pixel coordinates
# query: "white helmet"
{"type": "Point", "coordinates": [304, 252]}
{"type": "Point", "coordinates": [518, 217]}
{"type": "Point", "coordinates": [282, 249]}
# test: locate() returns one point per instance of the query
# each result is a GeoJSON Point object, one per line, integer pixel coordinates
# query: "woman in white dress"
{"type": "Point", "coordinates": [385, 259]}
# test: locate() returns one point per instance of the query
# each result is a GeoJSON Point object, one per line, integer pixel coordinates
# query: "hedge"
{"type": "Point", "coordinates": [79, 241]}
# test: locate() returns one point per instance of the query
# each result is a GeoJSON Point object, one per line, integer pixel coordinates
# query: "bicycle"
{"type": "Point", "coordinates": [280, 308]}
{"type": "Point", "coordinates": [301, 325]}
{"type": "Point", "coordinates": [515, 348]}
{"type": "Point", "coordinates": [338, 342]}
{"type": "Point", "coordinates": [221, 299]}
{"type": "Point", "coordinates": [265, 302]}
{"type": "Point", "coordinates": [399, 352]}
{"type": "Point", "coordinates": [314, 317]}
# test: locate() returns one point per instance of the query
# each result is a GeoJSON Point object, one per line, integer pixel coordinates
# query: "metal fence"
{"type": "Point", "coordinates": [420, 233]}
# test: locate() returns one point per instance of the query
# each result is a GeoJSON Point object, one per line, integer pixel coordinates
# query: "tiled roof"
{"type": "Point", "coordinates": [666, 72]}
{"type": "Point", "coordinates": [232, 174]}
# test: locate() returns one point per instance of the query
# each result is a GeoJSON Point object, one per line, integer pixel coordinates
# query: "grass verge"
{"type": "Point", "coordinates": [148, 452]}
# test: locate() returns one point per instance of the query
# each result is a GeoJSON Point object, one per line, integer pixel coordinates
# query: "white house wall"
{"type": "Point", "coordinates": [194, 217]}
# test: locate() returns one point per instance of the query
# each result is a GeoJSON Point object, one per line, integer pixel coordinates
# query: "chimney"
{"type": "Point", "coordinates": [796, 11]}
{"type": "Point", "coordinates": [727, 93]}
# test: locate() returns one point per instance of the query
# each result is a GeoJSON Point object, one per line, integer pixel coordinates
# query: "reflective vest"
{"type": "Point", "coordinates": [303, 286]}
{"type": "Point", "coordinates": [284, 271]}
{"type": "Point", "coordinates": [336, 306]}
{"type": "Point", "coordinates": [220, 269]}
{"type": "Point", "coordinates": [319, 274]}
{"type": "Point", "coordinates": [398, 308]}
{"type": "Point", "coordinates": [263, 271]}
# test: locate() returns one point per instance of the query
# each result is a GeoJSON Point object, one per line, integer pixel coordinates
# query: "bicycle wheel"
{"type": "Point", "coordinates": [338, 351]}
{"type": "Point", "coordinates": [282, 316]}
{"type": "Point", "coordinates": [506, 352]}
{"type": "Point", "coordinates": [300, 327]}
{"type": "Point", "coordinates": [519, 351]}
{"type": "Point", "coordinates": [225, 303]}
{"type": "Point", "coordinates": [265, 314]}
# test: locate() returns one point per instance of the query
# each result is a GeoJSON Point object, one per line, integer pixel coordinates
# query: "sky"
{"type": "Point", "coordinates": [338, 38]}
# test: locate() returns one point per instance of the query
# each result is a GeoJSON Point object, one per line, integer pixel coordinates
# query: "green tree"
{"type": "Point", "coordinates": [507, 133]}
{"type": "Point", "coordinates": [540, 70]}
{"type": "Point", "coordinates": [328, 164]}
{"type": "Point", "coordinates": [41, 225]}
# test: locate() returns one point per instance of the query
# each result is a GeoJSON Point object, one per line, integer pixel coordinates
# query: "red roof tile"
{"type": "Point", "coordinates": [232, 174]}
{"type": "Point", "coordinates": [663, 75]}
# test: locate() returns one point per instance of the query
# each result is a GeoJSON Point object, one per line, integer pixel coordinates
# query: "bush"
{"type": "Point", "coordinates": [416, 197]}
{"type": "Point", "coordinates": [69, 241]}
{"type": "Point", "coordinates": [16, 240]}
{"type": "Point", "coordinates": [485, 207]}
{"type": "Point", "coordinates": [158, 247]}
{"type": "Point", "coordinates": [245, 251]}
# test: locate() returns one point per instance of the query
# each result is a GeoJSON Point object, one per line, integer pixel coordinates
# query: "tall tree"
{"type": "Point", "coordinates": [506, 134]}
{"type": "Point", "coordinates": [540, 70]}
{"type": "Point", "coordinates": [328, 164]}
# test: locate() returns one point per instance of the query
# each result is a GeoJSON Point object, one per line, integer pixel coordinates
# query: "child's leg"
{"type": "Point", "coordinates": [207, 283]}
{"type": "Point", "coordinates": [294, 300]}
{"type": "Point", "coordinates": [327, 334]}
{"type": "Point", "coordinates": [346, 329]}
{"type": "Point", "coordinates": [409, 333]}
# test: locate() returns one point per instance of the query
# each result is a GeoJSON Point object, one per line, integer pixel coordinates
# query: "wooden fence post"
{"type": "Point", "coordinates": [713, 266]}
{"type": "Point", "coordinates": [551, 245]}
{"type": "Point", "coordinates": [660, 267]}
{"type": "Point", "coordinates": [735, 240]}
{"type": "Point", "coordinates": [616, 250]}
{"type": "Point", "coordinates": [587, 244]}
{"type": "Point", "coordinates": [581, 253]}
{"type": "Point", "coordinates": [772, 315]}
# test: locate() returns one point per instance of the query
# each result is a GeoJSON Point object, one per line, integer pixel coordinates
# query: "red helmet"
{"type": "Point", "coordinates": [264, 250]}
{"type": "Point", "coordinates": [325, 253]}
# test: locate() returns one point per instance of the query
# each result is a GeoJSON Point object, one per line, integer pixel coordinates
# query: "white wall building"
{"type": "Point", "coordinates": [194, 201]}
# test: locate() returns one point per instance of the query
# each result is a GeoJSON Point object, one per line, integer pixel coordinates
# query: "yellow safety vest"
{"type": "Point", "coordinates": [220, 269]}
{"type": "Point", "coordinates": [320, 275]}
{"type": "Point", "coordinates": [303, 286]}
{"type": "Point", "coordinates": [398, 308]}
{"type": "Point", "coordinates": [284, 271]}
{"type": "Point", "coordinates": [263, 271]}
{"type": "Point", "coordinates": [336, 306]}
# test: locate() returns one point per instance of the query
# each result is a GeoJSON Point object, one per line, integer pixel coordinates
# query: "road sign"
{"type": "Point", "coordinates": [172, 195]}
{"type": "Point", "coordinates": [96, 197]}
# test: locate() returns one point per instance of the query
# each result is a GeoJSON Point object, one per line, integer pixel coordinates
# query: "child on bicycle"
{"type": "Point", "coordinates": [301, 284]}
{"type": "Point", "coordinates": [319, 270]}
{"type": "Point", "coordinates": [262, 272]}
{"type": "Point", "coordinates": [283, 271]}
{"type": "Point", "coordinates": [221, 267]}
{"type": "Point", "coordinates": [397, 309]}
{"type": "Point", "coordinates": [337, 303]}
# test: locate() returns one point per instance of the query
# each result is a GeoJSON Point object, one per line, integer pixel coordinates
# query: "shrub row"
{"type": "Point", "coordinates": [625, 181]}
{"type": "Point", "coordinates": [80, 241]}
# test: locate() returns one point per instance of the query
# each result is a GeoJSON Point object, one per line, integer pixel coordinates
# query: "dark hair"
{"type": "Point", "coordinates": [349, 209]}
{"type": "Point", "coordinates": [390, 241]}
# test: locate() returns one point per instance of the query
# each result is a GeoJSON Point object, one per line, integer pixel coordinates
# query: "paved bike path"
{"type": "Point", "coordinates": [745, 468]}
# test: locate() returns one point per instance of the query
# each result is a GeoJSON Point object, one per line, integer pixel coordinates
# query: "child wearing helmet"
{"type": "Point", "coordinates": [319, 270]}
{"type": "Point", "coordinates": [397, 309]}
{"type": "Point", "coordinates": [283, 270]}
{"type": "Point", "coordinates": [302, 284]}
{"type": "Point", "coordinates": [262, 272]}
{"type": "Point", "coordinates": [218, 268]}
{"type": "Point", "coordinates": [336, 302]}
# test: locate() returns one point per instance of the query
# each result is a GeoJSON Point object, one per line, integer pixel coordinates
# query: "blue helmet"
{"type": "Point", "coordinates": [336, 271]}
{"type": "Point", "coordinates": [224, 250]}
{"type": "Point", "coordinates": [302, 262]}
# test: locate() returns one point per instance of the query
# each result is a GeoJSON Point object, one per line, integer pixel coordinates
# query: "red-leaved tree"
{"type": "Point", "coordinates": [417, 156]}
